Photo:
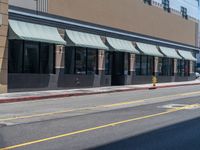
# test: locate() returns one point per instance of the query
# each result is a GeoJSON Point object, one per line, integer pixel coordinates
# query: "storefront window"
{"type": "Point", "coordinates": [31, 57]}
{"type": "Point", "coordinates": [138, 64]}
{"type": "Point", "coordinates": [144, 65]}
{"type": "Point", "coordinates": [166, 67]}
{"type": "Point", "coordinates": [15, 56]}
{"type": "Point", "coordinates": [80, 57]}
{"type": "Point", "coordinates": [183, 67]}
{"type": "Point", "coordinates": [108, 63]}
{"type": "Point", "coordinates": [81, 60]}
{"type": "Point", "coordinates": [70, 60]}
{"type": "Point", "coordinates": [92, 64]}
{"type": "Point", "coordinates": [150, 65]}
{"type": "Point", "coordinates": [187, 68]}
{"type": "Point", "coordinates": [47, 58]}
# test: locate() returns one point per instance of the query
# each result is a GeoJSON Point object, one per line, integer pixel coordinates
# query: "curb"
{"type": "Point", "coordinates": [34, 98]}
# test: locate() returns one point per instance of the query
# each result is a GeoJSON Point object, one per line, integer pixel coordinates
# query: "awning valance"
{"type": "Point", "coordinates": [187, 55]}
{"type": "Point", "coordinates": [170, 52]}
{"type": "Point", "coordinates": [121, 45]}
{"type": "Point", "coordinates": [149, 49]}
{"type": "Point", "coordinates": [75, 38]}
{"type": "Point", "coordinates": [34, 32]}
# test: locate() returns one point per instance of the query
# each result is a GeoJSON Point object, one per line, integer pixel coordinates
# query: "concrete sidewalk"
{"type": "Point", "coordinates": [39, 95]}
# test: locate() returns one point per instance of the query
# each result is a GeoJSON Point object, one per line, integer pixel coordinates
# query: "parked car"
{"type": "Point", "coordinates": [197, 75]}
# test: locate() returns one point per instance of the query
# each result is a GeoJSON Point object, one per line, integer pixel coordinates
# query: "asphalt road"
{"type": "Point", "coordinates": [163, 119]}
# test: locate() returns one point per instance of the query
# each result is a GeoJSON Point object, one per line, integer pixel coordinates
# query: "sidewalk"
{"type": "Point", "coordinates": [39, 95]}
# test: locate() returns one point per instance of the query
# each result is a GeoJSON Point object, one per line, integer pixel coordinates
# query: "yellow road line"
{"type": "Point", "coordinates": [100, 106]}
{"type": "Point", "coordinates": [123, 103]}
{"type": "Point", "coordinates": [190, 93]}
{"type": "Point", "coordinates": [46, 114]}
{"type": "Point", "coordinates": [69, 110]}
{"type": "Point", "coordinates": [89, 129]}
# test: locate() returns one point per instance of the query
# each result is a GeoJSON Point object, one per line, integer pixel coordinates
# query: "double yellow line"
{"type": "Point", "coordinates": [91, 129]}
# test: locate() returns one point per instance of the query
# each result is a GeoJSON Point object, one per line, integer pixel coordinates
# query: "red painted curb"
{"type": "Point", "coordinates": [31, 98]}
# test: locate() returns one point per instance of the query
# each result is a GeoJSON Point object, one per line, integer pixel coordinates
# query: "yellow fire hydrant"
{"type": "Point", "coordinates": [154, 81]}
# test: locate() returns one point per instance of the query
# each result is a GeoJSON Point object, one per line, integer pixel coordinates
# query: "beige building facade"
{"type": "Point", "coordinates": [3, 46]}
{"type": "Point", "coordinates": [92, 43]}
{"type": "Point", "coordinates": [129, 15]}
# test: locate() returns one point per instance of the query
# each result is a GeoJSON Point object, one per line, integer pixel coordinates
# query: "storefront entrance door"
{"type": "Point", "coordinates": [118, 68]}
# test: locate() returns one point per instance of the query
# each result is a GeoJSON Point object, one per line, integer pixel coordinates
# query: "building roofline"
{"type": "Point", "coordinates": [63, 22]}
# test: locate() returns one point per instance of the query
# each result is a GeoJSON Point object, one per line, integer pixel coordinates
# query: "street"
{"type": "Point", "coordinates": [161, 119]}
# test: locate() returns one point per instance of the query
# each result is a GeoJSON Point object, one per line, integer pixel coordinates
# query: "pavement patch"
{"type": "Point", "coordinates": [183, 106]}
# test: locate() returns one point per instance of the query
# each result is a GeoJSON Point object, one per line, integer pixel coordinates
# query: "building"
{"type": "Point", "coordinates": [46, 44]}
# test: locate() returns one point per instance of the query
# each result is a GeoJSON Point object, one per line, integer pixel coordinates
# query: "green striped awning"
{"type": "Point", "coordinates": [34, 32]}
{"type": "Point", "coordinates": [149, 49]}
{"type": "Point", "coordinates": [121, 45]}
{"type": "Point", "coordinates": [76, 38]}
{"type": "Point", "coordinates": [187, 55]}
{"type": "Point", "coordinates": [170, 52]}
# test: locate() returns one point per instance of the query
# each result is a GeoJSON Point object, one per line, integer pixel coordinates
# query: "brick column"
{"type": "Point", "coordinates": [175, 67]}
{"type": "Point", "coordinates": [156, 66]}
{"type": "Point", "coordinates": [101, 61]}
{"type": "Point", "coordinates": [60, 53]}
{"type": "Point", "coordinates": [4, 46]}
{"type": "Point", "coordinates": [132, 64]}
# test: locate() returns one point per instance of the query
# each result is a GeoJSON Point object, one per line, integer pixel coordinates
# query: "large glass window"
{"type": "Point", "coordinates": [80, 60]}
{"type": "Point", "coordinates": [144, 65]}
{"type": "Point", "coordinates": [92, 63]}
{"type": "Point", "coordinates": [70, 60]}
{"type": "Point", "coordinates": [150, 65]}
{"type": "Point", "coordinates": [47, 62]}
{"type": "Point", "coordinates": [138, 64]}
{"type": "Point", "coordinates": [187, 68]}
{"type": "Point", "coordinates": [180, 67]}
{"type": "Point", "coordinates": [166, 67]}
{"type": "Point", "coordinates": [108, 63]}
{"type": "Point", "coordinates": [80, 63]}
{"type": "Point", "coordinates": [183, 68]}
{"type": "Point", "coordinates": [121, 63]}
{"type": "Point", "coordinates": [15, 60]}
{"type": "Point", "coordinates": [31, 57]}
